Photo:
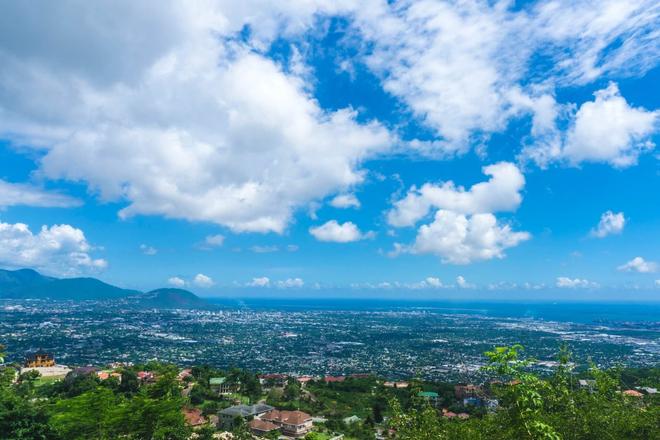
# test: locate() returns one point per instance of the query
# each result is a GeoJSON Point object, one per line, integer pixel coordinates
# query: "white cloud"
{"type": "Point", "coordinates": [456, 64]}
{"type": "Point", "coordinates": [639, 264]}
{"type": "Point", "coordinates": [259, 282]}
{"type": "Point", "coordinates": [657, 283]}
{"type": "Point", "coordinates": [202, 280]}
{"type": "Point", "coordinates": [264, 249]}
{"type": "Point", "coordinates": [290, 283]}
{"type": "Point", "coordinates": [345, 201]}
{"type": "Point", "coordinates": [609, 130]}
{"type": "Point", "coordinates": [19, 194]}
{"type": "Point", "coordinates": [609, 224]}
{"type": "Point", "coordinates": [176, 282]}
{"type": "Point", "coordinates": [292, 247]}
{"type": "Point", "coordinates": [462, 283]}
{"type": "Point", "coordinates": [464, 228]}
{"type": "Point", "coordinates": [573, 283]}
{"type": "Point", "coordinates": [59, 249]}
{"type": "Point", "coordinates": [216, 240]}
{"type": "Point", "coordinates": [500, 193]}
{"type": "Point", "coordinates": [459, 239]}
{"type": "Point", "coordinates": [148, 250]}
{"type": "Point", "coordinates": [338, 233]}
{"type": "Point", "coordinates": [161, 110]}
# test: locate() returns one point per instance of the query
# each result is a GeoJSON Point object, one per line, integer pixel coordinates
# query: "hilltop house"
{"type": "Point", "coordinates": [261, 427]}
{"type": "Point", "coordinates": [295, 424]}
{"type": "Point", "coordinates": [221, 386]}
{"type": "Point", "coordinates": [431, 396]}
{"type": "Point", "coordinates": [39, 359]}
{"type": "Point", "coordinates": [229, 415]}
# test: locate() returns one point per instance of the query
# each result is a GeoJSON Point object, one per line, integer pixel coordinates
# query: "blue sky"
{"type": "Point", "coordinates": [449, 149]}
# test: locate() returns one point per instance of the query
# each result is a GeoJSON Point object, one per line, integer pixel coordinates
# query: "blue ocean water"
{"type": "Point", "coordinates": [580, 312]}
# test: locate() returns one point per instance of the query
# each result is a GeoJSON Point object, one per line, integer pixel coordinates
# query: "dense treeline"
{"type": "Point", "coordinates": [530, 406]}
{"type": "Point", "coordinates": [552, 408]}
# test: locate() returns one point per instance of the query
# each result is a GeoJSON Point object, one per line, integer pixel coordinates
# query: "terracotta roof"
{"type": "Point", "coordinates": [193, 416]}
{"type": "Point", "coordinates": [262, 425]}
{"type": "Point", "coordinates": [633, 393]}
{"type": "Point", "coordinates": [288, 417]}
{"type": "Point", "coordinates": [329, 379]}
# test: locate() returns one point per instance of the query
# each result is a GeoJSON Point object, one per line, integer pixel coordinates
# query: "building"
{"type": "Point", "coordinates": [632, 393]}
{"type": "Point", "coordinates": [105, 375]}
{"type": "Point", "coordinates": [229, 415]}
{"type": "Point", "coordinates": [465, 391]}
{"type": "Point", "coordinates": [261, 427]}
{"type": "Point", "coordinates": [295, 424]}
{"type": "Point", "coordinates": [390, 384]}
{"type": "Point", "coordinates": [431, 396]}
{"type": "Point", "coordinates": [145, 376]}
{"type": "Point", "coordinates": [194, 417]}
{"type": "Point", "coordinates": [39, 359]}
{"type": "Point", "coordinates": [221, 386]}
{"type": "Point", "coordinates": [334, 379]}
{"type": "Point", "coordinates": [587, 384]}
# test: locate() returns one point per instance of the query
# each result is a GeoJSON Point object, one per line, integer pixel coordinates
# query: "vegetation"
{"type": "Point", "coordinates": [530, 406]}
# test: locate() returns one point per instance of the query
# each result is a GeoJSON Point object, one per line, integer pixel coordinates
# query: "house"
{"type": "Point", "coordinates": [221, 386]}
{"type": "Point", "coordinates": [333, 379]}
{"type": "Point", "coordinates": [430, 396]}
{"type": "Point", "coordinates": [228, 415]}
{"type": "Point", "coordinates": [39, 359]}
{"type": "Point", "coordinates": [273, 379]}
{"type": "Point", "coordinates": [464, 391]}
{"type": "Point", "coordinates": [295, 424]}
{"type": "Point", "coordinates": [262, 427]}
{"type": "Point", "coordinates": [145, 376]}
{"type": "Point", "coordinates": [396, 384]}
{"type": "Point", "coordinates": [648, 390]}
{"type": "Point", "coordinates": [183, 374]}
{"type": "Point", "coordinates": [587, 384]}
{"type": "Point", "coordinates": [352, 419]}
{"type": "Point", "coordinates": [632, 393]}
{"type": "Point", "coordinates": [105, 375]}
{"type": "Point", "coordinates": [448, 414]}
{"type": "Point", "coordinates": [193, 417]}
{"type": "Point", "coordinates": [302, 380]}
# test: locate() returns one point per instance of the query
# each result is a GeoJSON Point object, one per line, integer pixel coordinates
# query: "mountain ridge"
{"type": "Point", "coordinates": [30, 284]}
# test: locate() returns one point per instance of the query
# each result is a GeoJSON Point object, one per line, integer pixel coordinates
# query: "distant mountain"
{"type": "Point", "coordinates": [14, 281]}
{"type": "Point", "coordinates": [30, 284]}
{"type": "Point", "coordinates": [171, 298]}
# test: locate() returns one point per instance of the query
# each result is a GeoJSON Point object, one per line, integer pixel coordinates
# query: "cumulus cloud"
{"type": "Point", "coordinates": [639, 264]}
{"type": "Point", "coordinates": [148, 250]}
{"type": "Point", "coordinates": [338, 233]}
{"type": "Point", "coordinates": [176, 282]}
{"type": "Point", "coordinates": [58, 250]}
{"type": "Point", "coordinates": [606, 130]}
{"type": "Point", "coordinates": [202, 280]}
{"type": "Point", "coordinates": [573, 283]}
{"type": "Point", "coordinates": [235, 139]}
{"type": "Point", "coordinates": [610, 130]}
{"type": "Point", "coordinates": [345, 201]}
{"type": "Point", "coordinates": [500, 193]}
{"type": "Point", "coordinates": [459, 239]}
{"type": "Point", "coordinates": [290, 283]}
{"type": "Point", "coordinates": [464, 228]}
{"type": "Point", "coordinates": [19, 194]}
{"type": "Point", "coordinates": [609, 224]}
{"type": "Point", "coordinates": [259, 282]}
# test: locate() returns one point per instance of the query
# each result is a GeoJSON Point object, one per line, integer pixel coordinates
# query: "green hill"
{"type": "Point", "coordinates": [30, 284]}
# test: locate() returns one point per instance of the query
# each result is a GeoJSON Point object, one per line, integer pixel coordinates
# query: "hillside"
{"type": "Point", "coordinates": [171, 298]}
{"type": "Point", "coordinates": [30, 284]}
